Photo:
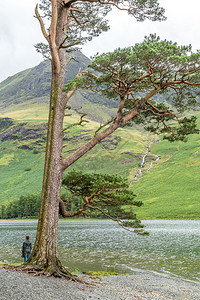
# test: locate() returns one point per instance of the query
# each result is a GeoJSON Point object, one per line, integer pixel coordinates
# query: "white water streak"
{"type": "Point", "coordinates": [140, 172]}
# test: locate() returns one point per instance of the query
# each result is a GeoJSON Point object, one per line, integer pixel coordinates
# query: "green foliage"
{"type": "Point", "coordinates": [5, 123]}
{"type": "Point", "coordinates": [35, 151]}
{"type": "Point", "coordinates": [136, 75]}
{"type": "Point", "coordinates": [100, 274]}
{"type": "Point", "coordinates": [112, 186]}
{"type": "Point", "coordinates": [187, 126]}
{"type": "Point", "coordinates": [26, 207]}
{"type": "Point", "coordinates": [86, 184]}
{"type": "Point", "coordinates": [135, 224]}
{"type": "Point", "coordinates": [105, 193]}
{"type": "Point", "coordinates": [87, 19]}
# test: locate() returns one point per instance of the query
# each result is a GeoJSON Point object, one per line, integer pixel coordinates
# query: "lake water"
{"type": "Point", "coordinates": [173, 247]}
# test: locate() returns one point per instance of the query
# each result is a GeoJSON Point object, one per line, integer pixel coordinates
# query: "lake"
{"type": "Point", "coordinates": [173, 247]}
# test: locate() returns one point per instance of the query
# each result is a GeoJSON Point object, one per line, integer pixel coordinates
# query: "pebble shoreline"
{"type": "Point", "coordinates": [141, 285]}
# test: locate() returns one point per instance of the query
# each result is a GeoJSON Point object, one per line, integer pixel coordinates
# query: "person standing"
{"type": "Point", "coordinates": [26, 248]}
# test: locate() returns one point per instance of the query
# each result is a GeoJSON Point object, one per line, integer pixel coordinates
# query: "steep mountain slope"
{"type": "Point", "coordinates": [32, 86]}
{"type": "Point", "coordinates": [35, 83]}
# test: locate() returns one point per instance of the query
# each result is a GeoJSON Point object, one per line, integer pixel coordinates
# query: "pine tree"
{"type": "Point", "coordinates": [72, 22]}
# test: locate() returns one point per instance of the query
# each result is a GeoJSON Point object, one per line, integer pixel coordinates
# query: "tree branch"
{"type": "Point", "coordinates": [70, 45]}
{"type": "Point", "coordinates": [73, 89]}
{"type": "Point", "coordinates": [114, 4]}
{"type": "Point", "coordinates": [67, 214]}
{"type": "Point", "coordinates": [121, 223]}
{"type": "Point", "coordinates": [82, 115]}
{"type": "Point", "coordinates": [136, 109]}
{"type": "Point", "coordinates": [89, 145]}
{"type": "Point", "coordinates": [52, 35]}
{"type": "Point", "coordinates": [104, 125]}
{"type": "Point", "coordinates": [54, 19]}
{"type": "Point", "coordinates": [41, 23]}
{"type": "Point", "coordinates": [99, 209]}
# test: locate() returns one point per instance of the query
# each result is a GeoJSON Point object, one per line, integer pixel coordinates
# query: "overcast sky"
{"type": "Point", "coordinates": [19, 31]}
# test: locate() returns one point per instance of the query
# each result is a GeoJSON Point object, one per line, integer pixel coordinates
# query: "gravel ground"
{"type": "Point", "coordinates": [139, 285]}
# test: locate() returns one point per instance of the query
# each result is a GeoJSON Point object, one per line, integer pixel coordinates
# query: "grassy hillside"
{"type": "Point", "coordinates": [171, 190]}
{"type": "Point", "coordinates": [20, 172]}
{"type": "Point", "coordinates": [22, 146]}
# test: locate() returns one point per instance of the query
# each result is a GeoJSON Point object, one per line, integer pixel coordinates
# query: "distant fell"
{"type": "Point", "coordinates": [32, 86]}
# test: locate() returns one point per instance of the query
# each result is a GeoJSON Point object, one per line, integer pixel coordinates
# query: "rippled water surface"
{"type": "Point", "coordinates": [172, 247]}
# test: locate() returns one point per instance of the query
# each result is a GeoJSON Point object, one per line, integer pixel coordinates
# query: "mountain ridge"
{"type": "Point", "coordinates": [32, 86]}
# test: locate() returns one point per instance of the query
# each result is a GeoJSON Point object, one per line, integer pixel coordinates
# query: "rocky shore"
{"type": "Point", "coordinates": [140, 285]}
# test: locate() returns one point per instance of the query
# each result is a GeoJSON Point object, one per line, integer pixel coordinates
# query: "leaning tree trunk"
{"type": "Point", "coordinates": [45, 251]}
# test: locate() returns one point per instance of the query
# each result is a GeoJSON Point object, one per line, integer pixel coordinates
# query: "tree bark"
{"type": "Point", "coordinates": [45, 251]}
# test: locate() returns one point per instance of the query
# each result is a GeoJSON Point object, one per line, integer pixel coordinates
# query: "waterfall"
{"type": "Point", "coordinates": [140, 172]}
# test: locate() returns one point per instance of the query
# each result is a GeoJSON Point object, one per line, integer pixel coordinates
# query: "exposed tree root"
{"type": "Point", "coordinates": [35, 270]}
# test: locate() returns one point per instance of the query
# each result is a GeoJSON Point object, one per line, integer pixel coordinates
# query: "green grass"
{"type": "Point", "coordinates": [23, 112]}
{"type": "Point", "coordinates": [170, 190]}
{"type": "Point", "coordinates": [8, 264]}
{"type": "Point", "coordinates": [20, 172]}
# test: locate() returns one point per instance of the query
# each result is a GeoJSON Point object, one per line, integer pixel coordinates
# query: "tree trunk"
{"type": "Point", "coordinates": [45, 249]}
